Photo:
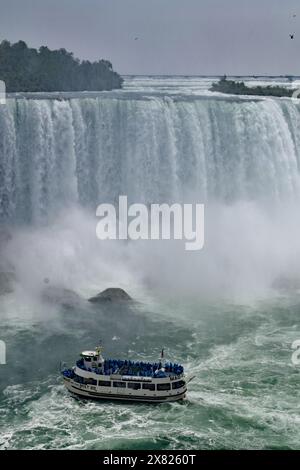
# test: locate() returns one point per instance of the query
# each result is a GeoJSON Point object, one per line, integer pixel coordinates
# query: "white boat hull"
{"type": "Point", "coordinates": [94, 393]}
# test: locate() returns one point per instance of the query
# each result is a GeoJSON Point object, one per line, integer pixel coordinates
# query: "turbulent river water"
{"type": "Point", "coordinates": [229, 313]}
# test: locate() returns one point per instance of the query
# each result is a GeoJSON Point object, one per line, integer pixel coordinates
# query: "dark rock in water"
{"type": "Point", "coordinates": [7, 275]}
{"type": "Point", "coordinates": [5, 236]}
{"type": "Point", "coordinates": [7, 280]}
{"type": "Point", "coordinates": [59, 295]}
{"type": "Point", "coordinates": [112, 294]}
{"type": "Point", "coordinates": [286, 284]}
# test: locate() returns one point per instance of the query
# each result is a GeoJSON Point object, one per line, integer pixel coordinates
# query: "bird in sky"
{"type": "Point", "coordinates": [292, 36]}
{"type": "Point", "coordinates": [136, 38]}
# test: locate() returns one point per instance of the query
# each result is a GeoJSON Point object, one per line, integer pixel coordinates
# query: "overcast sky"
{"type": "Point", "coordinates": [174, 36]}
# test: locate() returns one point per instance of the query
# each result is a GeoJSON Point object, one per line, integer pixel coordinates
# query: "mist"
{"type": "Point", "coordinates": [247, 248]}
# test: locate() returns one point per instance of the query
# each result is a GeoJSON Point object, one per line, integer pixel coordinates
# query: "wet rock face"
{"type": "Point", "coordinates": [5, 236]}
{"type": "Point", "coordinates": [7, 281]}
{"type": "Point", "coordinates": [112, 294]}
{"type": "Point", "coordinates": [283, 283]}
{"type": "Point", "coordinates": [61, 296]}
{"type": "Point", "coordinates": [7, 270]}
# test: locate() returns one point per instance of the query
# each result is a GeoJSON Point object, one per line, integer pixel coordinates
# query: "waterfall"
{"type": "Point", "coordinates": [153, 149]}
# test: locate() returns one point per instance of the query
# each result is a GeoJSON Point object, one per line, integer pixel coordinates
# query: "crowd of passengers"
{"type": "Point", "coordinates": [126, 367]}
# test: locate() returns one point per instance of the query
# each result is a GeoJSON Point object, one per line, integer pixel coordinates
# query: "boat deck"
{"type": "Point", "coordinates": [131, 368]}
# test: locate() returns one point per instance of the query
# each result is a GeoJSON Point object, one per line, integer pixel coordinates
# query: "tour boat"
{"type": "Point", "coordinates": [116, 379]}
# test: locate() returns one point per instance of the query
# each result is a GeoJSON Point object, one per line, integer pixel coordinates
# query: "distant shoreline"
{"type": "Point", "coordinates": [239, 88]}
{"type": "Point", "coordinates": [254, 77]}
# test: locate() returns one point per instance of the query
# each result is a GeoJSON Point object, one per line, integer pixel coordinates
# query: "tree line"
{"type": "Point", "coordinates": [239, 88]}
{"type": "Point", "coordinates": [33, 70]}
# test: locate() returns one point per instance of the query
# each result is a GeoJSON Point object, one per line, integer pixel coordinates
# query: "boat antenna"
{"type": "Point", "coordinates": [99, 348]}
{"type": "Point", "coordinates": [162, 355]}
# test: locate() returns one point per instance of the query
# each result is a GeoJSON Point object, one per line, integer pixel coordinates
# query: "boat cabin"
{"type": "Point", "coordinates": [92, 360]}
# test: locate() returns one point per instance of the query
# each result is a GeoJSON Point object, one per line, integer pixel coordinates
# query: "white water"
{"type": "Point", "coordinates": [60, 158]}
{"type": "Point", "coordinates": [159, 139]}
{"type": "Point", "coordinates": [150, 146]}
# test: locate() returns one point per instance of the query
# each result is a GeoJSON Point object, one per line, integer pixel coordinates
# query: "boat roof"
{"type": "Point", "coordinates": [89, 353]}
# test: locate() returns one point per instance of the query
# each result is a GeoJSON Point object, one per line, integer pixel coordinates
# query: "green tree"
{"type": "Point", "coordinates": [27, 69]}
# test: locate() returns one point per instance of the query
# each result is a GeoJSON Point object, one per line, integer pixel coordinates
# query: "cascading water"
{"type": "Point", "coordinates": [154, 149]}
{"type": "Point", "coordinates": [214, 310]}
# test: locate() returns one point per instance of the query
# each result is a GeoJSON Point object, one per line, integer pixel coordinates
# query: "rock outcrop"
{"type": "Point", "coordinates": [7, 280]}
{"type": "Point", "coordinates": [61, 296]}
{"type": "Point", "coordinates": [286, 284]}
{"type": "Point", "coordinates": [112, 294]}
{"type": "Point", "coordinates": [5, 236]}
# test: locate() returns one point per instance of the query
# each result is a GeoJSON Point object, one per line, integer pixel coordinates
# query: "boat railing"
{"type": "Point", "coordinates": [130, 368]}
{"type": "Point", "coordinates": [68, 373]}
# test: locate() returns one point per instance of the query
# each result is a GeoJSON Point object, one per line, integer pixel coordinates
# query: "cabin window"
{"type": "Point", "coordinates": [104, 383]}
{"type": "Point", "coordinates": [78, 379]}
{"type": "Point", "coordinates": [90, 382]}
{"type": "Point", "coordinates": [119, 384]}
{"type": "Point", "coordinates": [148, 386]}
{"type": "Point", "coordinates": [88, 359]}
{"type": "Point", "coordinates": [134, 385]}
{"type": "Point", "coordinates": [163, 387]}
{"type": "Point", "coordinates": [178, 384]}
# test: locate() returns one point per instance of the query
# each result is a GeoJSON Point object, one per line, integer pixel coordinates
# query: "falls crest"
{"type": "Point", "coordinates": [90, 150]}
